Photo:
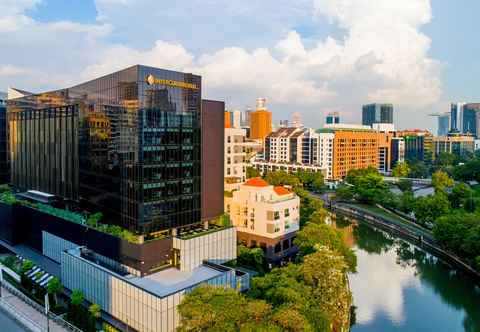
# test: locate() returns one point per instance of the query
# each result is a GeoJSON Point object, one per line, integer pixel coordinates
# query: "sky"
{"type": "Point", "coordinates": [306, 56]}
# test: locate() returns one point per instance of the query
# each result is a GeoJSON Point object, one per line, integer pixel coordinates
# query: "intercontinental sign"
{"type": "Point", "coordinates": [152, 80]}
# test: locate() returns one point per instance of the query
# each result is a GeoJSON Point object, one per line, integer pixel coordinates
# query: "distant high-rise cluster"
{"type": "Point", "coordinates": [332, 118]}
{"type": "Point", "coordinates": [377, 113]}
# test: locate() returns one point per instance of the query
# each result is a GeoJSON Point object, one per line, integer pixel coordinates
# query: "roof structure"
{"type": "Point", "coordinates": [256, 182]}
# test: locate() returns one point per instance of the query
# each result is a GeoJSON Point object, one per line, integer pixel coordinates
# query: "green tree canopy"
{"type": "Point", "coordinates": [252, 172]}
{"type": "Point", "coordinates": [459, 195]}
{"type": "Point", "coordinates": [428, 209]}
{"type": "Point", "coordinates": [441, 181]}
{"type": "Point", "coordinates": [313, 236]}
{"type": "Point", "coordinates": [402, 170]}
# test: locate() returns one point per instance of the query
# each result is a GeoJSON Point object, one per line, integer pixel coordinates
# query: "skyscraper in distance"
{"type": "Point", "coordinates": [377, 113]}
{"type": "Point", "coordinates": [260, 121]}
{"type": "Point", "coordinates": [332, 118]}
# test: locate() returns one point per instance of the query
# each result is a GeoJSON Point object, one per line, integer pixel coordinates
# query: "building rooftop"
{"type": "Point", "coordinates": [256, 182]}
{"type": "Point", "coordinates": [281, 191]}
{"type": "Point", "coordinates": [172, 280]}
{"type": "Point", "coordinates": [162, 283]}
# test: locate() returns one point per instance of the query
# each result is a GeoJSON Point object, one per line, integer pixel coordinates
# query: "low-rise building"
{"type": "Point", "coordinates": [265, 216]}
{"type": "Point", "coordinates": [456, 144]}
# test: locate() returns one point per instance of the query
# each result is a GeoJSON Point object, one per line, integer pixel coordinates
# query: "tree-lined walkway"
{"type": "Point", "coordinates": [29, 313]}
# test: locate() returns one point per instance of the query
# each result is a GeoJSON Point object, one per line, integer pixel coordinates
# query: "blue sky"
{"type": "Point", "coordinates": [313, 56]}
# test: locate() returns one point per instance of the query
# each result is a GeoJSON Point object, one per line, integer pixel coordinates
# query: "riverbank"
{"type": "Point", "coordinates": [407, 231]}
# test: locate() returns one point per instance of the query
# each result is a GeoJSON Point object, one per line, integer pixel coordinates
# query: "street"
{"type": "Point", "coordinates": [9, 324]}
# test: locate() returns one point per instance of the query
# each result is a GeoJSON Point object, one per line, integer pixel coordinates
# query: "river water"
{"type": "Point", "coordinates": [400, 287]}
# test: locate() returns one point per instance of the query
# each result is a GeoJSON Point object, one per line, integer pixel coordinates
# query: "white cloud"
{"type": "Point", "coordinates": [245, 50]}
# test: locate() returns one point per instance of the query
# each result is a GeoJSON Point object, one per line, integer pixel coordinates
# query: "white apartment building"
{"type": "Point", "coordinates": [265, 216]}
{"type": "Point", "coordinates": [235, 155]}
{"type": "Point", "coordinates": [299, 147]}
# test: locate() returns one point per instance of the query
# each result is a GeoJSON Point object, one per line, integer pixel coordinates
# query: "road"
{"type": "Point", "coordinates": [9, 324]}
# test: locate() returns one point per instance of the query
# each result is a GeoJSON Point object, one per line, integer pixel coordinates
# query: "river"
{"type": "Point", "coordinates": [400, 287]}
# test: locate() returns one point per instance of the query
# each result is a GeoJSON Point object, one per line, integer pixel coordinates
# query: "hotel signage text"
{"type": "Point", "coordinates": [152, 80]}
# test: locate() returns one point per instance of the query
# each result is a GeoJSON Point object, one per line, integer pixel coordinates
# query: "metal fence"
{"type": "Point", "coordinates": [427, 241]}
{"type": "Point", "coordinates": [57, 319]}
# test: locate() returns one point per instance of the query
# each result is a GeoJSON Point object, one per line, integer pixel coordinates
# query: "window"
{"type": "Point", "coordinates": [278, 248]}
{"type": "Point", "coordinates": [229, 139]}
{"type": "Point", "coordinates": [286, 244]}
{"type": "Point", "coordinates": [287, 212]}
{"type": "Point", "coordinates": [277, 215]}
{"type": "Point", "coordinates": [253, 243]}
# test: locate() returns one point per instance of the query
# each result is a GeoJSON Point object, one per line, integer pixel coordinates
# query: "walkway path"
{"type": "Point", "coordinates": [29, 313]}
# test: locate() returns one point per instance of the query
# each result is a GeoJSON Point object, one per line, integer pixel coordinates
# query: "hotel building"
{"type": "Point", "coordinates": [4, 166]}
{"type": "Point", "coordinates": [142, 147]}
{"type": "Point", "coordinates": [265, 216]}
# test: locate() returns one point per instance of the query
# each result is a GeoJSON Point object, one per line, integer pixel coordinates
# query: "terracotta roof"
{"type": "Point", "coordinates": [281, 191]}
{"type": "Point", "coordinates": [256, 182]}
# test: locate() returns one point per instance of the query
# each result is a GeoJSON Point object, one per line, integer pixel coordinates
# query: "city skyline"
{"type": "Point", "coordinates": [331, 57]}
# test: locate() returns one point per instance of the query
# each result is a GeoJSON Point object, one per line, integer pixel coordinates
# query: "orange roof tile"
{"type": "Point", "coordinates": [281, 190]}
{"type": "Point", "coordinates": [256, 182]}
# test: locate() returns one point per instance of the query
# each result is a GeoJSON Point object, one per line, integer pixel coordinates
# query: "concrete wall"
{"type": "Point", "coordinates": [213, 118]}
{"type": "Point", "coordinates": [217, 247]}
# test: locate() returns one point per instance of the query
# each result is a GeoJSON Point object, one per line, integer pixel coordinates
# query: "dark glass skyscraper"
{"type": "Point", "coordinates": [4, 167]}
{"type": "Point", "coordinates": [377, 113]}
{"type": "Point", "coordinates": [471, 112]}
{"type": "Point", "coordinates": [127, 144]}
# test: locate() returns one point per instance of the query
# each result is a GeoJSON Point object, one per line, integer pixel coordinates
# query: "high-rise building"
{"type": "Point", "coordinates": [377, 113]}
{"type": "Point", "coordinates": [260, 121]}
{"type": "Point", "coordinates": [418, 144]}
{"type": "Point", "coordinates": [456, 117]}
{"type": "Point", "coordinates": [297, 120]}
{"type": "Point", "coordinates": [356, 149]}
{"type": "Point", "coordinates": [212, 116]}
{"type": "Point", "coordinates": [443, 124]}
{"type": "Point", "coordinates": [236, 120]}
{"type": "Point", "coordinates": [471, 115]}
{"type": "Point", "coordinates": [246, 117]}
{"type": "Point", "coordinates": [142, 147]}
{"type": "Point", "coordinates": [398, 151]}
{"type": "Point", "coordinates": [4, 166]}
{"type": "Point", "coordinates": [228, 119]}
{"type": "Point", "coordinates": [235, 154]}
{"type": "Point", "coordinates": [123, 150]}
{"type": "Point", "coordinates": [332, 118]}
{"type": "Point", "coordinates": [283, 124]}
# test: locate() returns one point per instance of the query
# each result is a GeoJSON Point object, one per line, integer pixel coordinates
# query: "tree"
{"type": "Point", "coordinates": [313, 236]}
{"type": "Point", "coordinates": [402, 170]}
{"type": "Point", "coordinates": [251, 257]}
{"type": "Point", "coordinates": [325, 272]}
{"type": "Point", "coordinates": [428, 209]}
{"type": "Point", "coordinates": [445, 159]}
{"type": "Point", "coordinates": [94, 219]}
{"type": "Point", "coordinates": [282, 178]}
{"type": "Point", "coordinates": [54, 287]}
{"type": "Point", "coordinates": [407, 202]}
{"type": "Point", "coordinates": [368, 185]}
{"type": "Point", "coordinates": [209, 308]}
{"type": "Point", "coordinates": [441, 181]}
{"type": "Point", "coordinates": [405, 185]}
{"type": "Point", "coordinates": [459, 195]}
{"type": "Point", "coordinates": [418, 169]}
{"type": "Point", "coordinates": [95, 312]}
{"type": "Point", "coordinates": [460, 232]}
{"type": "Point", "coordinates": [252, 172]}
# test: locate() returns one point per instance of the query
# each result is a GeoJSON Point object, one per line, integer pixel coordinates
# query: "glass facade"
{"type": "Point", "coordinates": [471, 112]}
{"type": "Point", "coordinates": [377, 113]}
{"type": "Point", "coordinates": [4, 166]}
{"type": "Point", "coordinates": [127, 144]}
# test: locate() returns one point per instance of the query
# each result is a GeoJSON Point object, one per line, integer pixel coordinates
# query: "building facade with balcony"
{"type": "Point", "coordinates": [265, 216]}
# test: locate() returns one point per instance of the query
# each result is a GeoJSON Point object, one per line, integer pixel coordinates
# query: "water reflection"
{"type": "Point", "coordinates": [398, 286]}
